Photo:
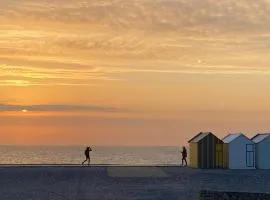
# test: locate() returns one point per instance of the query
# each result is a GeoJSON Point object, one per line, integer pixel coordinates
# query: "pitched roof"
{"type": "Point", "coordinates": [260, 137]}
{"type": "Point", "coordinates": [230, 137]}
{"type": "Point", "coordinates": [199, 136]}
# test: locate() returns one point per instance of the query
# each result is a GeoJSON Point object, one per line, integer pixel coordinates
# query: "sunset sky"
{"type": "Point", "coordinates": [132, 72]}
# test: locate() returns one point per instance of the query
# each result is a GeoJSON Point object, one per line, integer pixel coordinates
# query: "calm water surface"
{"type": "Point", "coordinates": [99, 155]}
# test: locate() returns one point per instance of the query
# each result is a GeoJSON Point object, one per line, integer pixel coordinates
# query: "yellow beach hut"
{"type": "Point", "coordinates": [206, 151]}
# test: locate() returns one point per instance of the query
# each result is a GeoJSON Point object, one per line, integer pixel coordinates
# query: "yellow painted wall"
{"type": "Point", "coordinates": [193, 154]}
{"type": "Point", "coordinates": [225, 156]}
{"type": "Point", "coordinates": [219, 155]}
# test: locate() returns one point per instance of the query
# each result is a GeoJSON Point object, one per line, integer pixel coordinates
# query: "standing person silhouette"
{"type": "Point", "coordinates": [184, 156]}
{"type": "Point", "coordinates": [87, 155]}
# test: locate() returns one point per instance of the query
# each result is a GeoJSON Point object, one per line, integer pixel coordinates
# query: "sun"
{"type": "Point", "coordinates": [24, 111]}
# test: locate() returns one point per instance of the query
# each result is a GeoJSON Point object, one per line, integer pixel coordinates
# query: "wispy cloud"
{"type": "Point", "coordinates": [89, 42]}
{"type": "Point", "coordinates": [93, 76]}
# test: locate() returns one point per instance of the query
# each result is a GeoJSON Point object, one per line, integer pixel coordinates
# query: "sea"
{"type": "Point", "coordinates": [100, 155]}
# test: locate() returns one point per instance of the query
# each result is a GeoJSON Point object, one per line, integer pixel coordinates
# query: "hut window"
{"type": "Point", "coordinates": [250, 155]}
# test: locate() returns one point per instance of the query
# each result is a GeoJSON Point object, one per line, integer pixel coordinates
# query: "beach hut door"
{"type": "Point", "coordinates": [250, 157]}
{"type": "Point", "coordinates": [219, 156]}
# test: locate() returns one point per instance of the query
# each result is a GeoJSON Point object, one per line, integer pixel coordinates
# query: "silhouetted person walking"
{"type": "Point", "coordinates": [184, 156]}
{"type": "Point", "coordinates": [87, 155]}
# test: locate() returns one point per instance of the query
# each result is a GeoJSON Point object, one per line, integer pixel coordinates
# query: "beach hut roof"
{"type": "Point", "coordinates": [230, 137]}
{"type": "Point", "coordinates": [199, 136]}
{"type": "Point", "coordinates": [260, 137]}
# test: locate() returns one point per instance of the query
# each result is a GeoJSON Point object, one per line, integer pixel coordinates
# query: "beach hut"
{"type": "Point", "coordinates": [262, 146]}
{"type": "Point", "coordinates": [239, 152]}
{"type": "Point", "coordinates": [206, 151]}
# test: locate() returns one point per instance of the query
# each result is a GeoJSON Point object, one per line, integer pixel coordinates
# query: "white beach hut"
{"type": "Point", "coordinates": [262, 142]}
{"type": "Point", "coordinates": [239, 152]}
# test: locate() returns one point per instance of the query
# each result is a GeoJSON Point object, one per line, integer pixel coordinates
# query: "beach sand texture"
{"type": "Point", "coordinates": [124, 183]}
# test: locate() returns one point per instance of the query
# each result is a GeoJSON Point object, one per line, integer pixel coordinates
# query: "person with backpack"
{"type": "Point", "coordinates": [87, 155]}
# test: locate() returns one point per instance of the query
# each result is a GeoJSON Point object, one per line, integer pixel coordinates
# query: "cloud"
{"type": "Point", "coordinates": [88, 42]}
{"type": "Point", "coordinates": [59, 108]}
{"type": "Point", "coordinates": [146, 14]}
{"type": "Point", "coordinates": [16, 75]}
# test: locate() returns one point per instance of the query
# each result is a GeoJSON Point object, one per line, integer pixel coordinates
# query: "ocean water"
{"type": "Point", "coordinates": [99, 155]}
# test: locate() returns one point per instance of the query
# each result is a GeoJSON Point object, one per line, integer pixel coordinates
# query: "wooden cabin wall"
{"type": "Point", "coordinates": [208, 156]}
{"type": "Point", "coordinates": [225, 156]}
{"type": "Point", "coordinates": [193, 154]}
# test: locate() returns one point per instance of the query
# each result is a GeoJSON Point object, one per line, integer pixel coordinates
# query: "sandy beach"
{"type": "Point", "coordinates": [110, 182]}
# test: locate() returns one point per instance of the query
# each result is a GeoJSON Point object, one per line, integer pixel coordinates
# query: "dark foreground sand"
{"type": "Point", "coordinates": [125, 183]}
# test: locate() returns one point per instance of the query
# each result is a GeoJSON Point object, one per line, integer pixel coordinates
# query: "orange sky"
{"type": "Point", "coordinates": [144, 72]}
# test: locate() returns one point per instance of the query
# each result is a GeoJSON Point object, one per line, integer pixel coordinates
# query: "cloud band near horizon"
{"type": "Point", "coordinates": [59, 108]}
